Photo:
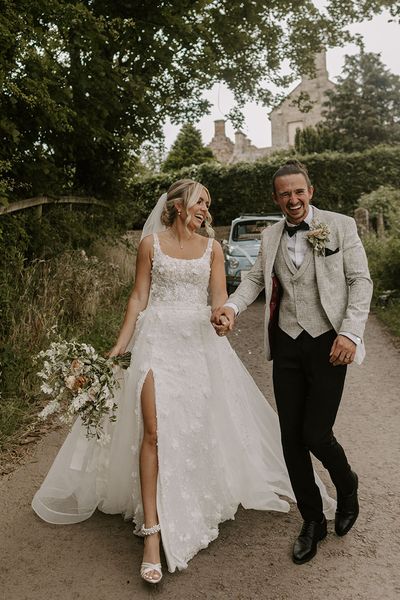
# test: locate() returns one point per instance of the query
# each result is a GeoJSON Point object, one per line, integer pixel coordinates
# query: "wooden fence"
{"type": "Point", "coordinates": [38, 202]}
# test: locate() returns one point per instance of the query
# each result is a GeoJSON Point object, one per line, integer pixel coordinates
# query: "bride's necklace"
{"type": "Point", "coordinates": [176, 238]}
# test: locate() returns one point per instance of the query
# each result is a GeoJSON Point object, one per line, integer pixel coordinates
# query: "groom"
{"type": "Point", "coordinates": [316, 259]}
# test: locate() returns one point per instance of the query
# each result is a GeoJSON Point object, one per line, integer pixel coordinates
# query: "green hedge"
{"type": "Point", "coordinates": [339, 180]}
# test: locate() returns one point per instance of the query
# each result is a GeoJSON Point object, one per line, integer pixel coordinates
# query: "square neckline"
{"type": "Point", "coordinates": [158, 245]}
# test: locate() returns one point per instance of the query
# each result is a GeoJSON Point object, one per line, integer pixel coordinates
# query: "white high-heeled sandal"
{"type": "Point", "coordinates": [146, 568]}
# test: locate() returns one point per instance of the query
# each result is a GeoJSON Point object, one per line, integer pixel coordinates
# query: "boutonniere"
{"type": "Point", "coordinates": [318, 235]}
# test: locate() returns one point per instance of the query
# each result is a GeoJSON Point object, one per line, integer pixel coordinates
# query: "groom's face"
{"type": "Point", "coordinates": [293, 196]}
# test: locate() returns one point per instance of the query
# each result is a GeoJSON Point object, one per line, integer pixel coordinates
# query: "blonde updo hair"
{"type": "Point", "coordinates": [186, 192]}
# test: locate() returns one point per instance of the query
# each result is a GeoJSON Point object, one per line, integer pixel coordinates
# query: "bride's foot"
{"type": "Point", "coordinates": [150, 569]}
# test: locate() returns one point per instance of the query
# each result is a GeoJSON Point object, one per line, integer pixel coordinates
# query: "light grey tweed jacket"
{"type": "Point", "coordinates": [343, 279]}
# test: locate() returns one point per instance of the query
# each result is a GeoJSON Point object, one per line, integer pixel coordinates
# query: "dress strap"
{"type": "Point", "coordinates": [209, 247]}
{"type": "Point", "coordinates": [156, 241]}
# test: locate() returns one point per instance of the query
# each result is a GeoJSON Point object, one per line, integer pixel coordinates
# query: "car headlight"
{"type": "Point", "coordinates": [233, 262]}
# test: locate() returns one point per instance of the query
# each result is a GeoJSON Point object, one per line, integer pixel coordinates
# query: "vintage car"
{"type": "Point", "coordinates": [242, 247]}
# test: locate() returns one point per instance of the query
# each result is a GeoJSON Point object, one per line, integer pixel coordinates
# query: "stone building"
{"type": "Point", "coordinates": [285, 119]}
{"type": "Point", "coordinates": [227, 151]}
{"type": "Point", "coordinates": [221, 146]}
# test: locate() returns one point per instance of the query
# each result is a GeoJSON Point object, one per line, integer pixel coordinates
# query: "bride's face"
{"type": "Point", "coordinates": [197, 212]}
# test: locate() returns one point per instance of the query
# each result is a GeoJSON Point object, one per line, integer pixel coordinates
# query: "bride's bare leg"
{"type": "Point", "coordinates": [149, 472]}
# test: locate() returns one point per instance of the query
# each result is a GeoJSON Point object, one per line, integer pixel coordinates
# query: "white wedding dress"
{"type": "Point", "coordinates": [218, 438]}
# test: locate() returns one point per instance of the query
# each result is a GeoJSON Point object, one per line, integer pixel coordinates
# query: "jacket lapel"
{"type": "Point", "coordinates": [318, 258]}
{"type": "Point", "coordinates": [274, 235]}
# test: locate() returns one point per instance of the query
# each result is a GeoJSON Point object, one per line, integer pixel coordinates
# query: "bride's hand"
{"type": "Point", "coordinates": [116, 350]}
{"type": "Point", "coordinates": [223, 318]}
{"type": "Point", "coordinates": [222, 328]}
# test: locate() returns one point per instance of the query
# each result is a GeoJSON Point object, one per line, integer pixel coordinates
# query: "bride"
{"type": "Point", "coordinates": [194, 436]}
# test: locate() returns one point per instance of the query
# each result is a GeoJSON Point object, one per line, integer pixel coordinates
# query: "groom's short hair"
{"type": "Point", "coordinates": [291, 167]}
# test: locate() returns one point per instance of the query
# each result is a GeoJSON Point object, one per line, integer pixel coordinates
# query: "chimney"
{"type": "Point", "coordinates": [240, 141]}
{"type": "Point", "coordinates": [219, 128]}
{"type": "Point", "coordinates": [320, 64]}
{"type": "Point", "coordinates": [321, 72]}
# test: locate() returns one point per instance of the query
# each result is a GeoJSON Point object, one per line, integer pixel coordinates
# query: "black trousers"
{"type": "Point", "coordinates": [308, 390]}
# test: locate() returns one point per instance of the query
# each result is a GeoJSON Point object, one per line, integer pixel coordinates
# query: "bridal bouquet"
{"type": "Point", "coordinates": [80, 383]}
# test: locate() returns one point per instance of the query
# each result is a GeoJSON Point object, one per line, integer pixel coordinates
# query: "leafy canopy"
{"type": "Point", "coordinates": [86, 82]}
{"type": "Point", "coordinates": [362, 111]}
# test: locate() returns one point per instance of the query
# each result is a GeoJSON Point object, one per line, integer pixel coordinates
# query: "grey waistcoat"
{"type": "Point", "coordinates": [300, 307]}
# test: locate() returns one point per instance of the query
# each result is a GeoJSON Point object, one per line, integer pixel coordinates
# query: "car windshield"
{"type": "Point", "coordinates": [250, 230]}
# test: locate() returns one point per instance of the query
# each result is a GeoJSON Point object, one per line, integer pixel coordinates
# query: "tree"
{"type": "Point", "coordinates": [86, 82]}
{"type": "Point", "coordinates": [34, 105]}
{"type": "Point", "coordinates": [315, 139]}
{"type": "Point", "coordinates": [362, 111]}
{"type": "Point", "coordinates": [384, 201]}
{"type": "Point", "coordinates": [187, 150]}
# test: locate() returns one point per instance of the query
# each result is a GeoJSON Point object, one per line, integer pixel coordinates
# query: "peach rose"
{"type": "Point", "coordinates": [76, 366]}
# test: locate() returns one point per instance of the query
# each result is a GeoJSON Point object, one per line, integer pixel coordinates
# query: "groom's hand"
{"type": "Point", "coordinates": [343, 351]}
{"type": "Point", "coordinates": [223, 319]}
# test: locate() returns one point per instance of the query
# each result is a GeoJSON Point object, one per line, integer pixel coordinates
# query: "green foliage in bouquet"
{"type": "Point", "coordinates": [81, 383]}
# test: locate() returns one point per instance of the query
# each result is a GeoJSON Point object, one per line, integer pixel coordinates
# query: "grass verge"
{"type": "Point", "coordinates": [390, 316]}
{"type": "Point", "coordinates": [81, 296]}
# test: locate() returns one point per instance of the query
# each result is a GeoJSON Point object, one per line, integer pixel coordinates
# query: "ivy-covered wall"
{"type": "Point", "coordinates": [339, 180]}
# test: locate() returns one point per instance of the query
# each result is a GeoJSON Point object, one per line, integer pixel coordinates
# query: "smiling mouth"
{"type": "Point", "coordinates": [200, 217]}
{"type": "Point", "coordinates": [296, 207]}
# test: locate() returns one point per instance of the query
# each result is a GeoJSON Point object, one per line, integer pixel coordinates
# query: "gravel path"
{"type": "Point", "coordinates": [99, 559]}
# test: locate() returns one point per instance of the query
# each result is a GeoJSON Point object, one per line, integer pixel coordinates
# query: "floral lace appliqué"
{"type": "Point", "coordinates": [175, 280]}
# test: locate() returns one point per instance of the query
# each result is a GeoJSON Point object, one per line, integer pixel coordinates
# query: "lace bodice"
{"type": "Point", "coordinates": [180, 281]}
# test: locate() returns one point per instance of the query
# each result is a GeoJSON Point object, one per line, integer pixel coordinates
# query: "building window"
{"type": "Point", "coordinates": [292, 128]}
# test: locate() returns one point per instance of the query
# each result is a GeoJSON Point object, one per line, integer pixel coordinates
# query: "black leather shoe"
{"type": "Point", "coordinates": [347, 510]}
{"type": "Point", "coordinates": [305, 547]}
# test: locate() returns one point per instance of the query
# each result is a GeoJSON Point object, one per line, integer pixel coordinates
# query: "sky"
{"type": "Point", "coordinates": [379, 35]}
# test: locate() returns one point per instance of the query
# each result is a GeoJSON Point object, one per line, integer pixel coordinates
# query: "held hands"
{"type": "Point", "coordinates": [223, 320]}
{"type": "Point", "coordinates": [343, 351]}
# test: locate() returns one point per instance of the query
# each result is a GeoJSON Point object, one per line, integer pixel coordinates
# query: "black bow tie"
{"type": "Point", "coordinates": [292, 230]}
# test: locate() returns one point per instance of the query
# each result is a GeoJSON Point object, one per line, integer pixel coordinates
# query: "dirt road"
{"type": "Point", "coordinates": [99, 559]}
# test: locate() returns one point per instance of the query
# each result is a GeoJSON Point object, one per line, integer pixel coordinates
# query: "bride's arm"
{"type": "Point", "coordinates": [218, 277]}
{"type": "Point", "coordinates": [139, 295]}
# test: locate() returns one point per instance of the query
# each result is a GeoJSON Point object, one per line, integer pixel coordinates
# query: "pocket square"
{"type": "Point", "coordinates": [329, 252]}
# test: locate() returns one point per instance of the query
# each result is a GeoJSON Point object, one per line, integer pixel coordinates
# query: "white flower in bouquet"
{"type": "Point", "coordinates": [70, 382]}
{"type": "Point", "coordinates": [50, 408]}
{"type": "Point", "coordinates": [79, 401]}
{"type": "Point", "coordinates": [80, 383]}
{"type": "Point", "coordinates": [46, 389]}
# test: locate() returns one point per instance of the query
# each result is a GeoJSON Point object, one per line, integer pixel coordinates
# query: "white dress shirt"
{"type": "Point", "coordinates": [297, 246]}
